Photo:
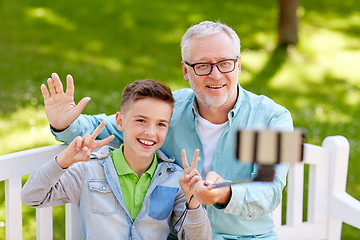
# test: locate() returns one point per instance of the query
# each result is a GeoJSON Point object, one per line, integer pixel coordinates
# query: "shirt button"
{"type": "Point", "coordinates": [133, 227]}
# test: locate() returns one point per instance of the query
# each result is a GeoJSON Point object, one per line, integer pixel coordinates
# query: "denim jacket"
{"type": "Point", "coordinates": [249, 210]}
{"type": "Point", "coordinates": [95, 188]}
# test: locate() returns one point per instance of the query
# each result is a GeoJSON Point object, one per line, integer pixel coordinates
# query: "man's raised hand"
{"type": "Point", "coordinates": [60, 107]}
{"type": "Point", "coordinates": [81, 147]}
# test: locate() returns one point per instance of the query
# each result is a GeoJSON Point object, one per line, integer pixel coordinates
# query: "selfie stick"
{"type": "Point", "coordinates": [266, 148]}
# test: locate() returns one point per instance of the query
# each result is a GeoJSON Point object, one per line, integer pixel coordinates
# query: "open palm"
{"type": "Point", "coordinates": [60, 107]}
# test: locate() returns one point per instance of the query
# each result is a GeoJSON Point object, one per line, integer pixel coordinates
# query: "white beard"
{"type": "Point", "coordinates": [209, 101]}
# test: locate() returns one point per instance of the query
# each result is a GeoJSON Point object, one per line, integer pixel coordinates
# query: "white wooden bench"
{"type": "Point", "coordinates": [12, 167]}
{"type": "Point", "coordinates": [328, 203]}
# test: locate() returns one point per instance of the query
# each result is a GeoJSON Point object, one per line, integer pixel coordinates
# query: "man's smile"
{"type": "Point", "coordinates": [215, 86]}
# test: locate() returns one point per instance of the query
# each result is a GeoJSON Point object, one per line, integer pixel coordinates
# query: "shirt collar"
{"type": "Point", "coordinates": [123, 168]}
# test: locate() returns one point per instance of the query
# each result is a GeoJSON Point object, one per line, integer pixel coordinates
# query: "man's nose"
{"type": "Point", "coordinates": [215, 73]}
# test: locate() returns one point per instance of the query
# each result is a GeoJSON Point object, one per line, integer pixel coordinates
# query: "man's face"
{"type": "Point", "coordinates": [144, 125]}
{"type": "Point", "coordinates": [216, 89]}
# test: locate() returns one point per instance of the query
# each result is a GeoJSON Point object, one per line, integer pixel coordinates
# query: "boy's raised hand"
{"type": "Point", "coordinates": [60, 107]}
{"type": "Point", "coordinates": [190, 178]}
{"type": "Point", "coordinates": [81, 147]}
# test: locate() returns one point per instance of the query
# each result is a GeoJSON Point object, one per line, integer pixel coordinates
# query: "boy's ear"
{"type": "Point", "coordinates": [119, 120]}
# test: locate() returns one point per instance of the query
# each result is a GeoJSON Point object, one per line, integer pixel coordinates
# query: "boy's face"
{"type": "Point", "coordinates": [144, 124]}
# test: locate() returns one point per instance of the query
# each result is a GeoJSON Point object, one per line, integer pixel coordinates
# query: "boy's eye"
{"type": "Point", "coordinates": [140, 120]}
{"type": "Point", "coordinates": [162, 124]}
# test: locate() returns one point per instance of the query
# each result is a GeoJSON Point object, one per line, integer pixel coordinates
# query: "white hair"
{"type": "Point", "coordinates": [204, 29]}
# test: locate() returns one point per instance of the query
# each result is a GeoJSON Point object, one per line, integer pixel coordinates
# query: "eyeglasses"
{"type": "Point", "coordinates": [203, 68]}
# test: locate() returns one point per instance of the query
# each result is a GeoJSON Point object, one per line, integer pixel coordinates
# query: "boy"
{"type": "Point", "coordinates": [131, 192]}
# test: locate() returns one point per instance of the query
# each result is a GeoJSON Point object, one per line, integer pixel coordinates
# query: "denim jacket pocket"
{"type": "Point", "coordinates": [162, 202]}
{"type": "Point", "coordinates": [103, 200]}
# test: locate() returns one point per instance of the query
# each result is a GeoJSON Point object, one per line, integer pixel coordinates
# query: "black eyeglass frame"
{"type": "Point", "coordinates": [211, 65]}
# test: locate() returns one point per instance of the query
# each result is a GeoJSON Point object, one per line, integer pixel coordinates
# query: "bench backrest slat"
{"type": "Point", "coordinates": [13, 208]}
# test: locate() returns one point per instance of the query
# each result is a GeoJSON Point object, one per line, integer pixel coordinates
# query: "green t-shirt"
{"type": "Point", "coordinates": [133, 188]}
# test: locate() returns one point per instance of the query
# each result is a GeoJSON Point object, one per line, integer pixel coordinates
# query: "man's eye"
{"type": "Point", "coordinates": [202, 66]}
{"type": "Point", "coordinates": [226, 63]}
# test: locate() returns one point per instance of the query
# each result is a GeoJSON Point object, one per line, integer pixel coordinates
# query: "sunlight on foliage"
{"type": "Point", "coordinates": [111, 64]}
{"type": "Point", "coordinates": [251, 63]}
{"type": "Point", "coordinates": [24, 129]}
{"type": "Point", "coordinates": [48, 16]}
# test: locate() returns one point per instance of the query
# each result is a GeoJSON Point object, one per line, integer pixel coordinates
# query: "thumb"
{"type": "Point", "coordinates": [81, 105]}
{"type": "Point", "coordinates": [212, 177]}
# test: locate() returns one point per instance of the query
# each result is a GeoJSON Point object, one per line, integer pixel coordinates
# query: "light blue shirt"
{"type": "Point", "coordinates": [249, 210]}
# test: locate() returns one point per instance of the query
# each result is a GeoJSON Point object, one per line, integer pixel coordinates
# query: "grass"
{"type": "Point", "coordinates": [106, 45]}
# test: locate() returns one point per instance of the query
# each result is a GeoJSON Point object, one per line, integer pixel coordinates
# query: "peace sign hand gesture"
{"type": "Point", "coordinates": [80, 148]}
{"type": "Point", "coordinates": [190, 178]}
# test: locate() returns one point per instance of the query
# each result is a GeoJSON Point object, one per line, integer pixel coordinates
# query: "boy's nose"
{"type": "Point", "coordinates": [149, 131]}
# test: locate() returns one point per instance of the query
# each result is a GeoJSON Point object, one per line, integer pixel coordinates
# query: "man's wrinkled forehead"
{"type": "Point", "coordinates": [216, 46]}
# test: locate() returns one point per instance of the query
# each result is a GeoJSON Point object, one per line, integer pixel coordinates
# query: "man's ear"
{"type": "Point", "coordinates": [185, 71]}
{"type": "Point", "coordinates": [119, 120]}
{"type": "Point", "coordinates": [239, 66]}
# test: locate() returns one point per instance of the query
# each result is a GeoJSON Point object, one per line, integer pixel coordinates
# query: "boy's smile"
{"type": "Point", "coordinates": [144, 124]}
{"type": "Point", "coordinates": [147, 143]}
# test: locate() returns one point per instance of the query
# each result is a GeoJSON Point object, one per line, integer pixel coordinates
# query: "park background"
{"type": "Point", "coordinates": [107, 44]}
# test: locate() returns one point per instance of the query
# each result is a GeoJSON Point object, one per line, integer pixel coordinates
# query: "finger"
{"type": "Point", "coordinates": [182, 180]}
{"type": "Point", "coordinates": [44, 92]}
{"type": "Point", "coordinates": [70, 91]}
{"type": "Point", "coordinates": [69, 85]}
{"type": "Point", "coordinates": [194, 180]}
{"type": "Point", "coordinates": [86, 152]}
{"type": "Point", "coordinates": [50, 83]}
{"type": "Point", "coordinates": [195, 159]}
{"type": "Point", "coordinates": [97, 130]}
{"type": "Point", "coordinates": [200, 190]}
{"type": "Point", "coordinates": [184, 159]}
{"type": "Point", "coordinates": [81, 105]}
{"type": "Point", "coordinates": [79, 141]}
{"type": "Point", "coordinates": [74, 143]}
{"type": "Point", "coordinates": [57, 83]}
{"type": "Point", "coordinates": [212, 177]}
{"type": "Point", "coordinates": [87, 139]}
{"type": "Point", "coordinates": [104, 141]}
{"type": "Point", "coordinates": [193, 173]}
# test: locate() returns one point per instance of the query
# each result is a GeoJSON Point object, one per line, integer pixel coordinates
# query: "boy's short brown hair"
{"type": "Point", "coordinates": [146, 88]}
